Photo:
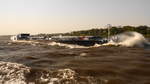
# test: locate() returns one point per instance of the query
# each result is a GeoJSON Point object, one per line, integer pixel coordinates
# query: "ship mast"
{"type": "Point", "coordinates": [108, 29]}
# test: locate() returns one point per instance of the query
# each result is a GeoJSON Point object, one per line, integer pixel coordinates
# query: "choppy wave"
{"type": "Point", "coordinates": [14, 73]}
{"type": "Point", "coordinates": [35, 63]}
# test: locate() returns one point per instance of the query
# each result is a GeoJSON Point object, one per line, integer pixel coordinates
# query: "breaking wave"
{"type": "Point", "coordinates": [130, 39]}
{"type": "Point", "coordinates": [127, 39]}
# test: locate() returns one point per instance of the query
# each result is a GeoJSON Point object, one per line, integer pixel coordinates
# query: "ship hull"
{"type": "Point", "coordinates": [82, 42]}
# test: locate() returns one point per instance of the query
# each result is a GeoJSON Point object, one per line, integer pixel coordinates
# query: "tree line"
{"type": "Point", "coordinates": [144, 30]}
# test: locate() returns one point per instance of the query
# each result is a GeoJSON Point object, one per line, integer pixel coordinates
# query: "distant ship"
{"type": "Point", "coordinates": [77, 40]}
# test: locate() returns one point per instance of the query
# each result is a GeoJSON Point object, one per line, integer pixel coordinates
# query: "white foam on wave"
{"type": "Point", "coordinates": [14, 73]}
{"type": "Point", "coordinates": [130, 39]}
{"type": "Point", "coordinates": [34, 43]}
{"type": "Point", "coordinates": [66, 45]}
{"type": "Point", "coordinates": [127, 39]}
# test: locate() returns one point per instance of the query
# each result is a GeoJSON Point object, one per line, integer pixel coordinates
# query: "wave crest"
{"type": "Point", "coordinates": [129, 39]}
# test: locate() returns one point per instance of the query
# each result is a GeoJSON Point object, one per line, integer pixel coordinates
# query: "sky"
{"type": "Point", "coordinates": [54, 16]}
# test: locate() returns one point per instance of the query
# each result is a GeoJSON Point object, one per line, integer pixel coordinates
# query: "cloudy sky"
{"type": "Point", "coordinates": [52, 16]}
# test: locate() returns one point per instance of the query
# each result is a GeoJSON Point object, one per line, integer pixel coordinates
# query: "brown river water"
{"type": "Point", "coordinates": [38, 63]}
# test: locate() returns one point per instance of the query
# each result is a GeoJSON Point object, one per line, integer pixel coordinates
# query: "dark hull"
{"type": "Point", "coordinates": [82, 42]}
